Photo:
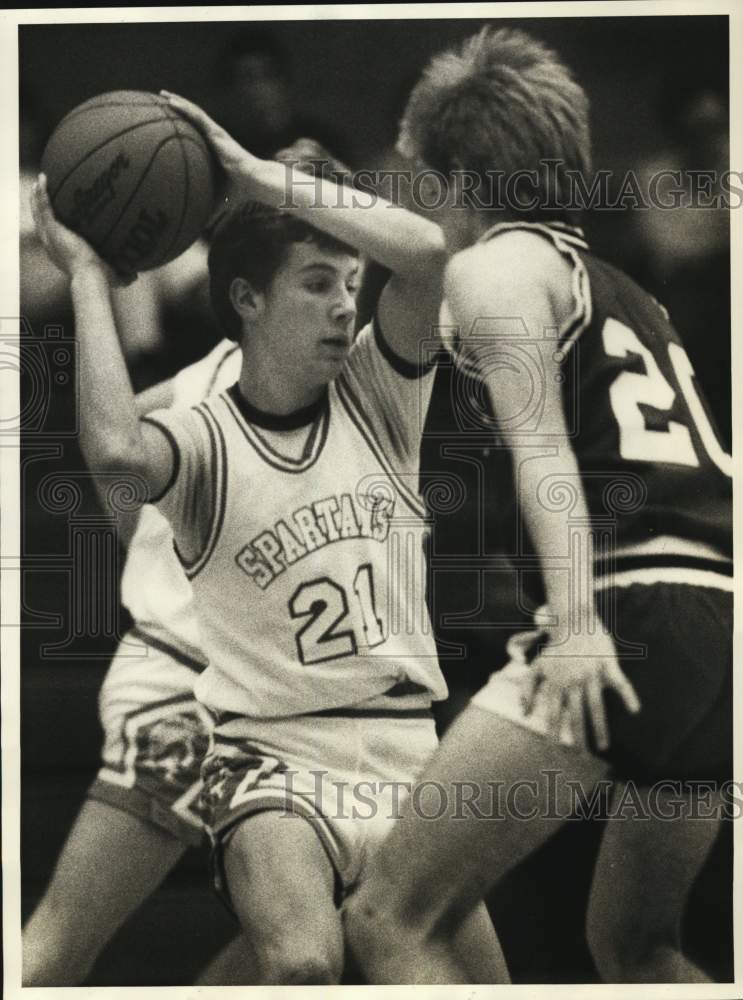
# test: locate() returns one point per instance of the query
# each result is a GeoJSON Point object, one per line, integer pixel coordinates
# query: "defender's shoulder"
{"type": "Point", "coordinates": [506, 265]}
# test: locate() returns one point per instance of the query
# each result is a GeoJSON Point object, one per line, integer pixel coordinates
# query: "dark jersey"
{"type": "Point", "coordinates": [650, 457]}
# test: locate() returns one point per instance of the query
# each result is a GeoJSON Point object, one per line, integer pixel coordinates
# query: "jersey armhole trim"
{"type": "Point", "coordinates": [581, 317]}
{"type": "Point", "coordinates": [567, 240]}
{"type": "Point", "coordinates": [407, 369]}
{"type": "Point", "coordinates": [219, 493]}
{"type": "Point", "coordinates": [176, 457]}
{"type": "Point", "coordinates": [355, 411]}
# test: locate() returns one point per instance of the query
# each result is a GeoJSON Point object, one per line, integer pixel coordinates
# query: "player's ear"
{"type": "Point", "coordinates": [246, 302]}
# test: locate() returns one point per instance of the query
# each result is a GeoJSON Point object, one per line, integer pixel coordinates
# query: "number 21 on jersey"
{"type": "Point", "coordinates": [338, 623]}
{"type": "Point", "coordinates": [630, 390]}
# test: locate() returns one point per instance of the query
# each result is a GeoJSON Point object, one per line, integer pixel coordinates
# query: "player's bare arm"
{"type": "Point", "coordinates": [111, 434]}
{"type": "Point", "coordinates": [501, 294]}
{"type": "Point", "coordinates": [411, 247]}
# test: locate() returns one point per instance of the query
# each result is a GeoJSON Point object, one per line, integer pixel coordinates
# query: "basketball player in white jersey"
{"type": "Point", "coordinates": [294, 507]}
{"type": "Point", "coordinates": [141, 812]}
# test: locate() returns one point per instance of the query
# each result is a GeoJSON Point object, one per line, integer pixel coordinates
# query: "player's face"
{"type": "Point", "coordinates": [309, 310]}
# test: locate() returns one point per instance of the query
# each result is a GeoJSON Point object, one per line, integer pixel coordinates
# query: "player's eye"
{"type": "Point", "coordinates": [317, 285]}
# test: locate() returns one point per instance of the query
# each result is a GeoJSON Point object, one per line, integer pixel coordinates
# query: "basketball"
{"type": "Point", "coordinates": [132, 176]}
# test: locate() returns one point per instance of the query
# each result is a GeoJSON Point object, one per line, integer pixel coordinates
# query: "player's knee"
{"type": "Point", "coordinates": [292, 964]}
{"type": "Point", "coordinates": [633, 965]}
{"type": "Point", "coordinates": [603, 952]}
{"type": "Point", "coordinates": [624, 953]}
{"type": "Point", "coordinates": [376, 926]}
{"type": "Point", "coordinates": [388, 904]}
{"type": "Point", "coordinates": [607, 944]}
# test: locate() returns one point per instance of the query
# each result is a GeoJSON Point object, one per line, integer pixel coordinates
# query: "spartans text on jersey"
{"type": "Point", "coordinates": [328, 520]}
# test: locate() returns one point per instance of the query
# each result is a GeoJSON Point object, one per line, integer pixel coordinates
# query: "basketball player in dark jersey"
{"type": "Point", "coordinates": [622, 498]}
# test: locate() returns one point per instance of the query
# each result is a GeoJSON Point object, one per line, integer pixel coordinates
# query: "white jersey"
{"type": "Point", "coordinates": [154, 588]}
{"type": "Point", "coordinates": [304, 541]}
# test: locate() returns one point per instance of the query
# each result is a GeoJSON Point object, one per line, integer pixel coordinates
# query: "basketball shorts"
{"type": "Point", "coordinates": [155, 737]}
{"type": "Point", "coordinates": [346, 772]}
{"type": "Point", "coordinates": [674, 643]}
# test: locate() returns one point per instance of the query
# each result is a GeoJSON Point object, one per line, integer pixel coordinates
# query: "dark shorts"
{"type": "Point", "coordinates": [674, 642]}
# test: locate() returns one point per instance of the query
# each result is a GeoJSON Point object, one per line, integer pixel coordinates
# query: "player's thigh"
{"type": "Point", "coordinates": [111, 861]}
{"type": "Point", "coordinates": [655, 859]}
{"type": "Point", "coordinates": [282, 886]}
{"type": "Point", "coordinates": [491, 793]}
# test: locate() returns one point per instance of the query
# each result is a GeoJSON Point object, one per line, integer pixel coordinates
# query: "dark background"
{"type": "Point", "coordinates": [355, 73]}
{"type": "Point", "coordinates": [658, 87]}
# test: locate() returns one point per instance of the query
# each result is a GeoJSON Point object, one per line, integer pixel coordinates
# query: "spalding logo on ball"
{"type": "Point", "coordinates": [132, 176]}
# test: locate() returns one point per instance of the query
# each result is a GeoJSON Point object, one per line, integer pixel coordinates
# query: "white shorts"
{"type": "Point", "coordinates": [155, 737]}
{"type": "Point", "coordinates": [502, 694]}
{"type": "Point", "coordinates": [346, 772]}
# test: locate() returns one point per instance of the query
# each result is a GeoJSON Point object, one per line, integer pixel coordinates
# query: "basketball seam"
{"type": "Point", "coordinates": [198, 143]}
{"type": "Point", "coordinates": [76, 112]}
{"type": "Point", "coordinates": [144, 173]}
{"type": "Point", "coordinates": [197, 139]}
{"type": "Point", "coordinates": [186, 190]}
{"type": "Point", "coordinates": [91, 152]}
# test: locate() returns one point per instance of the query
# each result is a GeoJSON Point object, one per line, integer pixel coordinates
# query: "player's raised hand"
{"type": "Point", "coordinates": [70, 252]}
{"type": "Point", "coordinates": [238, 164]}
{"type": "Point", "coordinates": [66, 249]}
{"type": "Point", "coordinates": [570, 680]}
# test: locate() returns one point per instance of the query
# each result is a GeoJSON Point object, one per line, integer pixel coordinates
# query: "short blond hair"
{"type": "Point", "coordinates": [501, 101]}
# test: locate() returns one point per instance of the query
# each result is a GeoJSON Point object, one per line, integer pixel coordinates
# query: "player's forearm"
{"type": "Point", "coordinates": [110, 433]}
{"type": "Point", "coordinates": [398, 239]}
{"type": "Point", "coordinates": [554, 508]}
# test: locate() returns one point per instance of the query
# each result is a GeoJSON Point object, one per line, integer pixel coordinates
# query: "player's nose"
{"type": "Point", "coordinates": [344, 308]}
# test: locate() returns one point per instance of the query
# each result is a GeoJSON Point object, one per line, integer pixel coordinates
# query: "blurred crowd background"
{"type": "Point", "coordinates": [659, 95]}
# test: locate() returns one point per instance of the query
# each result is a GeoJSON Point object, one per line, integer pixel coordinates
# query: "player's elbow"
{"type": "Point", "coordinates": [432, 258]}
{"type": "Point", "coordinates": [417, 285]}
{"type": "Point", "coordinates": [434, 250]}
{"type": "Point", "coordinates": [106, 448]}
{"type": "Point", "coordinates": [118, 464]}
{"type": "Point", "coordinates": [424, 265]}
